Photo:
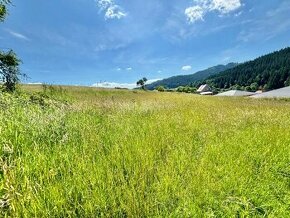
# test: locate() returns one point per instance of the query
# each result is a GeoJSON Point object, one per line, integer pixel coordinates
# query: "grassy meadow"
{"type": "Point", "coordinates": [85, 152]}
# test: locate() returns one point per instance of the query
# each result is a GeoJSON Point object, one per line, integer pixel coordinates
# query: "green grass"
{"type": "Point", "coordinates": [83, 152]}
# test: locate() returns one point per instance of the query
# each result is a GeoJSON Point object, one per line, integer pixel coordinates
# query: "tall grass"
{"type": "Point", "coordinates": [141, 154]}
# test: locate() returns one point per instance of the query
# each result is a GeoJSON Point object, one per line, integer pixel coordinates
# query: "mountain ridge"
{"type": "Point", "coordinates": [184, 80]}
{"type": "Point", "coordinates": [267, 72]}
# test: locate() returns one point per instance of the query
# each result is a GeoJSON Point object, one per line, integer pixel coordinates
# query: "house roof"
{"type": "Point", "coordinates": [235, 93]}
{"type": "Point", "coordinates": [277, 93]}
{"type": "Point", "coordinates": [203, 88]}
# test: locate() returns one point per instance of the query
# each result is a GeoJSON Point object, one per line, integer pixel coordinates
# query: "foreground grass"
{"type": "Point", "coordinates": [138, 154]}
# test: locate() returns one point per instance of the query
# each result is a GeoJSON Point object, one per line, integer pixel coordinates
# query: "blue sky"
{"type": "Point", "coordinates": [84, 42]}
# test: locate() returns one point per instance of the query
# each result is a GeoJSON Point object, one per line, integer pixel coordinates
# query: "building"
{"type": "Point", "coordinates": [277, 93]}
{"type": "Point", "coordinates": [235, 93]}
{"type": "Point", "coordinates": [206, 93]}
{"type": "Point", "coordinates": [204, 88]}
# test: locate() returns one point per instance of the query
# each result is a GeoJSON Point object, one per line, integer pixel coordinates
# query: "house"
{"type": "Point", "coordinates": [236, 93]}
{"type": "Point", "coordinates": [278, 93]}
{"type": "Point", "coordinates": [204, 88]}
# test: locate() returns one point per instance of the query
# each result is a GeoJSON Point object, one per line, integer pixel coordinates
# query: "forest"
{"type": "Point", "coordinates": [267, 72]}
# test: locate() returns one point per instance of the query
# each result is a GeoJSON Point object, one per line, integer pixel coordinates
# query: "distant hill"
{"type": "Point", "coordinates": [267, 72]}
{"type": "Point", "coordinates": [183, 80]}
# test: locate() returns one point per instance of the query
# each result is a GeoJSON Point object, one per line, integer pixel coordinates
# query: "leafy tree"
{"type": "Point", "coordinates": [287, 82]}
{"type": "Point", "coordinates": [160, 89]}
{"type": "Point", "coordinates": [9, 63]}
{"type": "Point", "coordinates": [9, 70]}
{"type": "Point", "coordinates": [3, 9]}
{"type": "Point", "coordinates": [254, 86]}
{"type": "Point", "coordinates": [142, 82]}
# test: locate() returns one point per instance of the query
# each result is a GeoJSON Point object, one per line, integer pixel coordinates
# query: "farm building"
{"type": "Point", "coordinates": [206, 93]}
{"type": "Point", "coordinates": [235, 93]}
{"type": "Point", "coordinates": [278, 93]}
{"type": "Point", "coordinates": [204, 88]}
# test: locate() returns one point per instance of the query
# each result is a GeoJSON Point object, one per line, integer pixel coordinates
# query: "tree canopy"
{"type": "Point", "coordinates": [3, 9]}
{"type": "Point", "coordinates": [268, 72]}
{"type": "Point", "coordinates": [9, 62]}
{"type": "Point", "coordinates": [9, 69]}
{"type": "Point", "coordinates": [142, 82]}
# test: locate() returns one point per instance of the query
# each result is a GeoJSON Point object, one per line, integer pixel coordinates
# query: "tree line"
{"type": "Point", "coordinates": [267, 72]}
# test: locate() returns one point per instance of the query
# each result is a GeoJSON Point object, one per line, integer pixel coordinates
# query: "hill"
{"type": "Point", "coordinates": [183, 80]}
{"type": "Point", "coordinates": [267, 72]}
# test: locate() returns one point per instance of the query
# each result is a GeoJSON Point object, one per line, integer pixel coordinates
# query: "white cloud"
{"type": "Point", "coordinates": [225, 6]}
{"type": "Point", "coordinates": [34, 83]}
{"type": "Point", "coordinates": [111, 9]}
{"type": "Point", "coordinates": [114, 12]}
{"type": "Point", "coordinates": [113, 85]}
{"type": "Point", "coordinates": [129, 68]}
{"type": "Point", "coordinates": [119, 69]}
{"type": "Point", "coordinates": [186, 68]}
{"type": "Point", "coordinates": [202, 7]}
{"type": "Point", "coordinates": [194, 13]}
{"type": "Point", "coordinates": [17, 35]}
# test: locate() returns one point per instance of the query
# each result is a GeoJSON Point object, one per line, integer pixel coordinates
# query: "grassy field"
{"type": "Point", "coordinates": [83, 152]}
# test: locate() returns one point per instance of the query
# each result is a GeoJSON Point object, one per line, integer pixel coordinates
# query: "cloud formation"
{"type": "Point", "coordinates": [202, 7]}
{"type": "Point", "coordinates": [186, 68]}
{"type": "Point", "coordinates": [113, 85]}
{"type": "Point", "coordinates": [194, 13]}
{"type": "Point", "coordinates": [18, 35]}
{"type": "Point", "coordinates": [111, 9]}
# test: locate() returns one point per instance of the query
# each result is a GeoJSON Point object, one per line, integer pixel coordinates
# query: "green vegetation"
{"type": "Point", "coordinates": [83, 152]}
{"type": "Point", "coordinates": [160, 89]}
{"type": "Point", "coordinates": [268, 72]}
{"type": "Point", "coordinates": [9, 63]}
{"type": "Point", "coordinates": [142, 82]}
{"type": "Point", "coordinates": [192, 79]}
{"type": "Point", "coordinates": [9, 70]}
{"type": "Point", "coordinates": [3, 9]}
{"type": "Point", "coordinates": [186, 89]}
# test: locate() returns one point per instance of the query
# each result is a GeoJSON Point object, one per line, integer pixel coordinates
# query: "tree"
{"type": "Point", "coordinates": [160, 88]}
{"type": "Point", "coordinates": [254, 86]}
{"type": "Point", "coordinates": [9, 70]}
{"type": "Point", "coordinates": [287, 82]}
{"type": "Point", "coordinates": [142, 82]}
{"type": "Point", "coordinates": [9, 63]}
{"type": "Point", "coordinates": [3, 9]}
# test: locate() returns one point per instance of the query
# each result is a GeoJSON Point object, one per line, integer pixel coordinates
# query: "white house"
{"type": "Point", "coordinates": [204, 88]}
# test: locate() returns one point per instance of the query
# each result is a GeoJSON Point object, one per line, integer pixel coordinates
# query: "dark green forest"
{"type": "Point", "coordinates": [184, 80]}
{"type": "Point", "coordinates": [267, 72]}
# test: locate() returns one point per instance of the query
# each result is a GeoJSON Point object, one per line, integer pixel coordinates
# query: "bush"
{"type": "Point", "coordinates": [160, 89]}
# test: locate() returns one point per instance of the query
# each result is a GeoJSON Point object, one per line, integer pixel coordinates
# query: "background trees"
{"type": "Point", "coordinates": [268, 72]}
